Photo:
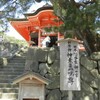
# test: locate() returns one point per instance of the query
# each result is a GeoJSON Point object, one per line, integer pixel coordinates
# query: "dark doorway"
{"type": "Point", "coordinates": [34, 38]}
{"type": "Point", "coordinates": [30, 99]}
{"type": "Point", "coordinates": [53, 40]}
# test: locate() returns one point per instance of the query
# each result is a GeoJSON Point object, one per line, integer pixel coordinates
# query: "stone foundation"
{"type": "Point", "coordinates": [46, 62]}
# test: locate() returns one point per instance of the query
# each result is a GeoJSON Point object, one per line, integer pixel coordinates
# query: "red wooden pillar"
{"type": "Point", "coordinates": [29, 42]}
{"type": "Point", "coordinates": [58, 32]}
{"type": "Point", "coordinates": [39, 38]}
{"type": "Point", "coordinates": [58, 37]}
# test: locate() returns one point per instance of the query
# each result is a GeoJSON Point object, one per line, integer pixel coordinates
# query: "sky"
{"type": "Point", "coordinates": [12, 32]}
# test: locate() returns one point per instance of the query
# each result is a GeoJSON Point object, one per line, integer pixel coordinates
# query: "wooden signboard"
{"type": "Point", "coordinates": [69, 65]}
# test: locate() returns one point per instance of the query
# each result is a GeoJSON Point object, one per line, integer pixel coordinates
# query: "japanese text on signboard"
{"type": "Point", "coordinates": [72, 63]}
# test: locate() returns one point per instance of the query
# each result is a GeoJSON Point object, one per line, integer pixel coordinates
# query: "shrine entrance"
{"type": "Point", "coordinates": [34, 38]}
{"type": "Point", "coordinates": [53, 40]}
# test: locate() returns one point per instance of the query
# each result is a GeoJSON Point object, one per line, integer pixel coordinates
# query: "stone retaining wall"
{"type": "Point", "coordinates": [46, 62]}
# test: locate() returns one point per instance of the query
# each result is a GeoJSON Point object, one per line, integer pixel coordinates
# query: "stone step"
{"type": "Point", "coordinates": [16, 64]}
{"type": "Point", "coordinates": [7, 79]}
{"type": "Point", "coordinates": [14, 67]}
{"type": "Point", "coordinates": [9, 85]}
{"type": "Point", "coordinates": [17, 57]}
{"type": "Point", "coordinates": [10, 68]}
{"type": "Point", "coordinates": [8, 90]}
{"type": "Point", "coordinates": [17, 73]}
{"type": "Point", "coordinates": [7, 76]}
{"type": "Point", "coordinates": [11, 72]}
{"type": "Point", "coordinates": [8, 96]}
{"type": "Point", "coordinates": [17, 61]}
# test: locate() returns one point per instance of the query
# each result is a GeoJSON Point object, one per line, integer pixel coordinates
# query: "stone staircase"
{"type": "Point", "coordinates": [8, 91]}
{"type": "Point", "coordinates": [13, 68]}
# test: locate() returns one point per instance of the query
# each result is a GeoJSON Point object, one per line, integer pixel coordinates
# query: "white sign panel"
{"type": "Point", "coordinates": [69, 66]}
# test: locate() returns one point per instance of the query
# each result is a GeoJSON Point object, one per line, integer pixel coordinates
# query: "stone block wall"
{"type": "Point", "coordinates": [46, 62]}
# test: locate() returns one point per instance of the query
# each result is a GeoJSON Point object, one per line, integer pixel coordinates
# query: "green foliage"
{"type": "Point", "coordinates": [12, 9]}
{"type": "Point", "coordinates": [13, 40]}
{"type": "Point", "coordinates": [83, 18]}
{"type": "Point", "coordinates": [77, 17]}
{"type": "Point", "coordinates": [52, 29]}
{"type": "Point", "coordinates": [1, 33]}
{"type": "Point", "coordinates": [48, 29]}
{"type": "Point", "coordinates": [17, 41]}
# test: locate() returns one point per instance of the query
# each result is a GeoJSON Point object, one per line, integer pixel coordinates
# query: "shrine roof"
{"type": "Point", "coordinates": [30, 75]}
{"type": "Point", "coordinates": [39, 10]}
{"type": "Point", "coordinates": [41, 18]}
{"type": "Point", "coordinates": [18, 19]}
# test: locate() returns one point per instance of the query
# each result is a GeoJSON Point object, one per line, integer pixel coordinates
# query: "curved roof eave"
{"type": "Point", "coordinates": [39, 10]}
{"type": "Point", "coordinates": [18, 19]}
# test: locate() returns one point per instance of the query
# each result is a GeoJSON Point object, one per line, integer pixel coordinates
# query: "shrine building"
{"type": "Point", "coordinates": [32, 27]}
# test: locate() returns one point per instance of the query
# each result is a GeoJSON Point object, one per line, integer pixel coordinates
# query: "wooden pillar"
{"type": "Point", "coordinates": [29, 42]}
{"type": "Point", "coordinates": [58, 36]}
{"type": "Point", "coordinates": [39, 38]}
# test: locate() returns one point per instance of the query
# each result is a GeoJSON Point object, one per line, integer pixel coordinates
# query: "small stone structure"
{"type": "Point", "coordinates": [46, 62]}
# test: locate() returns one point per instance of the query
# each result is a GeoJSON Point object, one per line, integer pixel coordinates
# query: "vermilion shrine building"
{"type": "Point", "coordinates": [32, 27]}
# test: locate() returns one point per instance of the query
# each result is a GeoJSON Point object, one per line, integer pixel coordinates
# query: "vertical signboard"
{"type": "Point", "coordinates": [69, 65]}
